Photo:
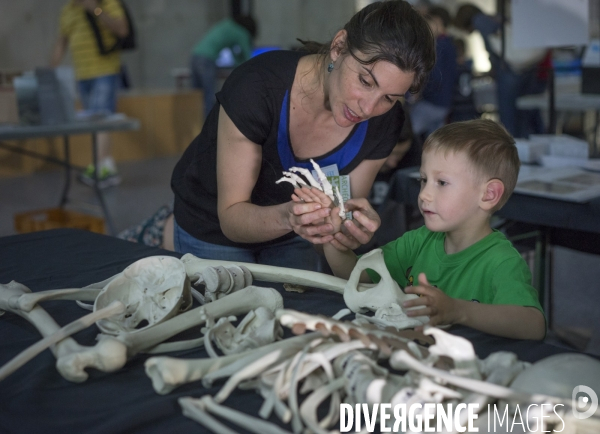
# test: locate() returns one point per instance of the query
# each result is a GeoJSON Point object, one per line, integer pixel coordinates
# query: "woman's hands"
{"type": "Point", "coordinates": [309, 220]}
{"type": "Point", "coordinates": [342, 234]}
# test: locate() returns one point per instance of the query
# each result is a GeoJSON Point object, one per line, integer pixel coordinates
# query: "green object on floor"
{"type": "Point", "coordinates": [107, 177]}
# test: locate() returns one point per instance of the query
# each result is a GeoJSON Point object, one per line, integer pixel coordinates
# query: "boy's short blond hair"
{"type": "Point", "coordinates": [487, 144]}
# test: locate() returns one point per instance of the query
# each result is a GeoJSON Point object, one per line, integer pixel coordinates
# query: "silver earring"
{"type": "Point", "coordinates": [330, 67]}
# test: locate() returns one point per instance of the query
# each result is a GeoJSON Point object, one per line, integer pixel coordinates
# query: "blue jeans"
{"type": "Point", "coordinates": [510, 86]}
{"type": "Point", "coordinates": [99, 94]}
{"type": "Point", "coordinates": [294, 253]}
{"type": "Point", "coordinates": [204, 76]}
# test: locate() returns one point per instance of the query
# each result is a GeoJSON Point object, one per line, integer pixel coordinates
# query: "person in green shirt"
{"type": "Point", "coordinates": [236, 33]}
{"type": "Point", "coordinates": [464, 271]}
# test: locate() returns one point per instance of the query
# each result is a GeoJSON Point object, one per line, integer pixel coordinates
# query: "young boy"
{"type": "Point", "coordinates": [464, 271]}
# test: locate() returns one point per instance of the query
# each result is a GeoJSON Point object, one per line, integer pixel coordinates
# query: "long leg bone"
{"type": "Point", "coordinates": [114, 308]}
{"type": "Point", "coordinates": [269, 273]}
{"type": "Point", "coordinates": [167, 373]}
{"type": "Point", "coordinates": [196, 409]}
{"type": "Point", "coordinates": [66, 348]}
{"type": "Point", "coordinates": [115, 350]}
{"type": "Point", "coordinates": [26, 302]}
{"type": "Point", "coordinates": [192, 408]}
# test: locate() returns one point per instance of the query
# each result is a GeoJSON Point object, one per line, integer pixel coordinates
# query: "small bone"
{"type": "Point", "coordinates": [87, 293]}
{"type": "Point", "coordinates": [196, 410]}
{"type": "Point", "coordinates": [459, 349]}
{"type": "Point", "coordinates": [306, 173]}
{"type": "Point", "coordinates": [325, 184]}
{"type": "Point", "coordinates": [208, 405]}
{"type": "Point", "coordinates": [292, 178]}
{"type": "Point", "coordinates": [340, 202]}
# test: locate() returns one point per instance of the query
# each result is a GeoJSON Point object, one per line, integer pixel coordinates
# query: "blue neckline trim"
{"type": "Point", "coordinates": [342, 156]}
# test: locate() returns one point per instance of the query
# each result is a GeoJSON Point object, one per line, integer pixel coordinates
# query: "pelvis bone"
{"type": "Point", "coordinates": [382, 295]}
{"type": "Point", "coordinates": [152, 289]}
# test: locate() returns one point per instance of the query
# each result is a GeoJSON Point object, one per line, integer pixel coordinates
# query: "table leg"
{"type": "Point", "coordinates": [99, 194]}
{"type": "Point", "coordinates": [65, 193]}
{"type": "Point", "coordinates": [543, 284]}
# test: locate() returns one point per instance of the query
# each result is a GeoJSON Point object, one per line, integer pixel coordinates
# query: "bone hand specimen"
{"type": "Point", "coordinates": [322, 184]}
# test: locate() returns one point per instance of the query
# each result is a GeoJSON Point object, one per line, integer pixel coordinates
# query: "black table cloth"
{"type": "Point", "coordinates": [37, 399]}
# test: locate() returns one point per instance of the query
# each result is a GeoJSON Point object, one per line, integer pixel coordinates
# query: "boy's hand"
{"type": "Point", "coordinates": [440, 308]}
{"type": "Point", "coordinates": [360, 230]}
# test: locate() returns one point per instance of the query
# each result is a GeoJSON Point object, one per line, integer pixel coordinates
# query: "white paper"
{"type": "Point", "coordinates": [550, 23]}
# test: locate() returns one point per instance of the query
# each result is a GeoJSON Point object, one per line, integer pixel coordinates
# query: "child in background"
{"type": "Point", "coordinates": [464, 271]}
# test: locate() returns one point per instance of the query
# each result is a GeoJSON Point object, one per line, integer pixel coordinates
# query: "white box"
{"type": "Point", "coordinates": [530, 152]}
{"type": "Point", "coordinates": [560, 161]}
{"type": "Point", "coordinates": [563, 145]}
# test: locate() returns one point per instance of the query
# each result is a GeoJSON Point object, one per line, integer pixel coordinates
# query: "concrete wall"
{"type": "Point", "coordinates": [166, 30]}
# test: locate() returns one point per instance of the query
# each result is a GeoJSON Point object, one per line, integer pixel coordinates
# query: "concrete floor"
{"type": "Point", "coordinates": [146, 187]}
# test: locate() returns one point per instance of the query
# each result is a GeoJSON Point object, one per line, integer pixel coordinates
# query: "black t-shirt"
{"type": "Point", "coordinates": [256, 98]}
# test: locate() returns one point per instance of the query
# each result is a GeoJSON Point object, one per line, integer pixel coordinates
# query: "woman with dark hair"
{"type": "Point", "coordinates": [336, 105]}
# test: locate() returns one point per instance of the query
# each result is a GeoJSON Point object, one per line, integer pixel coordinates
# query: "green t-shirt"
{"type": "Point", "coordinates": [490, 271]}
{"type": "Point", "coordinates": [225, 34]}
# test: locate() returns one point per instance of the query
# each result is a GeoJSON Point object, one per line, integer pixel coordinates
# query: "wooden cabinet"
{"type": "Point", "coordinates": [169, 121]}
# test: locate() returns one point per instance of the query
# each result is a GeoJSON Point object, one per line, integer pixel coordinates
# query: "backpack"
{"type": "Point", "coordinates": [122, 44]}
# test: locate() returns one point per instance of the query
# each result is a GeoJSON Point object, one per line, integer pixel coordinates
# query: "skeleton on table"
{"type": "Point", "coordinates": [339, 361]}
